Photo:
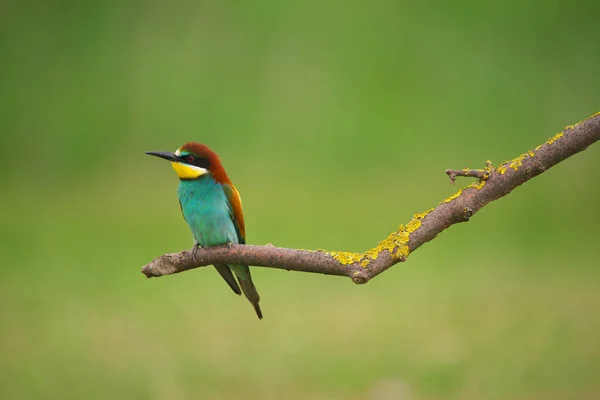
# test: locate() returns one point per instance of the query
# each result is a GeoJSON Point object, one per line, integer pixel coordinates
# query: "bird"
{"type": "Point", "coordinates": [212, 208]}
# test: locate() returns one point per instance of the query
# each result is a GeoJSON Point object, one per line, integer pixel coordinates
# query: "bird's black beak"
{"type": "Point", "coordinates": [167, 155]}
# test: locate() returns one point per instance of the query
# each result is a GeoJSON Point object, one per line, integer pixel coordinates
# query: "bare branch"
{"type": "Point", "coordinates": [361, 267]}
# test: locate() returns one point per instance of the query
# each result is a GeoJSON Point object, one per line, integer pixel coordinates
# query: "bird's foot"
{"type": "Point", "coordinates": [195, 251]}
{"type": "Point", "coordinates": [229, 245]}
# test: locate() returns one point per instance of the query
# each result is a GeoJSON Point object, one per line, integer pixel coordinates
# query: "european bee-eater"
{"type": "Point", "coordinates": [212, 208]}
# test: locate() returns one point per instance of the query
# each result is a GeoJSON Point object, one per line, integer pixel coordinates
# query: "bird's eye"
{"type": "Point", "coordinates": [190, 158]}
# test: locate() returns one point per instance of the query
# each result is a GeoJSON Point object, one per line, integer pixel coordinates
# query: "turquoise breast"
{"type": "Point", "coordinates": [206, 210]}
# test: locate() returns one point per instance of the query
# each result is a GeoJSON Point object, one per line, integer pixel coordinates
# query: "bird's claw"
{"type": "Point", "coordinates": [195, 252]}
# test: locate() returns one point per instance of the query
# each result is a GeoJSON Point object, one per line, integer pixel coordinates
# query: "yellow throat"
{"type": "Point", "coordinates": [186, 171]}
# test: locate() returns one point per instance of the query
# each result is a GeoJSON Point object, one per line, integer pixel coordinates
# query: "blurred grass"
{"type": "Point", "coordinates": [336, 121]}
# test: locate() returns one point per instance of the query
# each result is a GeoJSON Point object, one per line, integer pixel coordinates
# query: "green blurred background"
{"type": "Point", "coordinates": [336, 121]}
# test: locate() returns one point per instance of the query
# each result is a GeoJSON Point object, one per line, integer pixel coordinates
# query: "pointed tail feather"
{"type": "Point", "coordinates": [251, 294]}
{"type": "Point", "coordinates": [226, 273]}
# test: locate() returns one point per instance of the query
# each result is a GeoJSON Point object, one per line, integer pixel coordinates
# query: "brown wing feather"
{"type": "Point", "coordinates": [236, 207]}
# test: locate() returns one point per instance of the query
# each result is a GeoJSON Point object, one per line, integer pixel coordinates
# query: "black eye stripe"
{"type": "Point", "coordinates": [197, 161]}
{"type": "Point", "coordinates": [202, 163]}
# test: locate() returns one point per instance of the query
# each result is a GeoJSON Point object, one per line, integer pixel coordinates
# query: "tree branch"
{"type": "Point", "coordinates": [482, 174]}
{"type": "Point", "coordinates": [492, 184]}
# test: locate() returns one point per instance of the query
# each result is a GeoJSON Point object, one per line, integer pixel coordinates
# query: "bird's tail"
{"type": "Point", "coordinates": [248, 287]}
{"type": "Point", "coordinates": [226, 273]}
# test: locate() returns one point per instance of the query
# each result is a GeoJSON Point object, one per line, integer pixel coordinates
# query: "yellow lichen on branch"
{"type": "Point", "coordinates": [574, 125]}
{"type": "Point", "coordinates": [477, 185]}
{"type": "Point", "coordinates": [555, 137]}
{"type": "Point", "coordinates": [396, 244]}
{"type": "Point", "coordinates": [345, 257]}
{"type": "Point", "coordinates": [454, 196]}
{"type": "Point", "coordinates": [404, 234]}
{"type": "Point", "coordinates": [515, 163]}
